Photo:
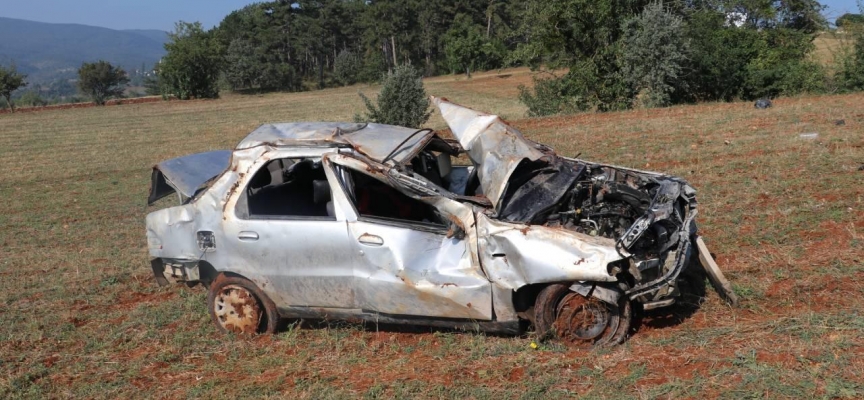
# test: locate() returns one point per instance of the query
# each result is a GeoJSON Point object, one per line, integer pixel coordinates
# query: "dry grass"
{"type": "Point", "coordinates": [830, 47]}
{"type": "Point", "coordinates": [82, 316]}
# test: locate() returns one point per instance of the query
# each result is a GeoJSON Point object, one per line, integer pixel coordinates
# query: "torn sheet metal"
{"type": "Point", "coordinates": [376, 141]}
{"type": "Point", "coordinates": [186, 174]}
{"type": "Point", "coordinates": [495, 147]}
{"type": "Point", "coordinates": [515, 255]}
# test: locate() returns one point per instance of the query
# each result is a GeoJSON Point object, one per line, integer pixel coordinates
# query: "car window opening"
{"type": "Point", "coordinates": [290, 187]}
{"type": "Point", "coordinates": [376, 199]}
{"type": "Point", "coordinates": [438, 168]}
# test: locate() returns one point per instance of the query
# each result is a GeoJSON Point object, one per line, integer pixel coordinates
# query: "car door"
{"type": "Point", "coordinates": [294, 240]}
{"type": "Point", "coordinates": [408, 260]}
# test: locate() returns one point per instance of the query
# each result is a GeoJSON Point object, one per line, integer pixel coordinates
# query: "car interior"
{"type": "Point", "coordinates": [290, 187]}
{"type": "Point", "coordinates": [376, 199]}
{"type": "Point", "coordinates": [298, 188]}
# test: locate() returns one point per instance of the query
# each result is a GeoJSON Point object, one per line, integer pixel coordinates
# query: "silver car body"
{"type": "Point", "coordinates": [465, 271]}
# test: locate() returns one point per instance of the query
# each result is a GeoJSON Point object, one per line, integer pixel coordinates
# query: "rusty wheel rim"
{"type": "Point", "coordinates": [237, 310]}
{"type": "Point", "coordinates": [581, 320]}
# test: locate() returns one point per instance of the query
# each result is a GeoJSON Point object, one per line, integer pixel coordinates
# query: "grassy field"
{"type": "Point", "coordinates": [829, 47]}
{"type": "Point", "coordinates": [82, 317]}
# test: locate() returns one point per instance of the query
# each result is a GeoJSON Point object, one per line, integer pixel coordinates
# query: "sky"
{"type": "Point", "coordinates": [122, 14]}
{"type": "Point", "coordinates": [162, 14]}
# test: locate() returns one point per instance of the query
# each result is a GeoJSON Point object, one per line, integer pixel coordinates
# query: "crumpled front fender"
{"type": "Point", "coordinates": [515, 255]}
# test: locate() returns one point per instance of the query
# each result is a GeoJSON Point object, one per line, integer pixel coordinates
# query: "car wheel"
{"type": "Point", "coordinates": [236, 305]}
{"type": "Point", "coordinates": [572, 318]}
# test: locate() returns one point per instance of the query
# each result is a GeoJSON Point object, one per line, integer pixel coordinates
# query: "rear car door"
{"type": "Point", "coordinates": [285, 230]}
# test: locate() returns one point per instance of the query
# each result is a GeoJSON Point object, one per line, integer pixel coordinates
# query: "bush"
{"type": "Point", "coordinates": [346, 68]}
{"type": "Point", "coordinates": [546, 98]}
{"type": "Point", "coordinates": [593, 84]}
{"type": "Point", "coordinates": [32, 99]}
{"type": "Point", "coordinates": [402, 100]}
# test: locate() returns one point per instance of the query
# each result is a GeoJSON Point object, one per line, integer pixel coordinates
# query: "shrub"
{"type": "Point", "coordinates": [593, 84]}
{"type": "Point", "coordinates": [32, 99]}
{"type": "Point", "coordinates": [346, 68]}
{"type": "Point", "coordinates": [546, 98]}
{"type": "Point", "coordinates": [402, 100]}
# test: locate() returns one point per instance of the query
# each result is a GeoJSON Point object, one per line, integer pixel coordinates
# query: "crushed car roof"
{"type": "Point", "coordinates": [376, 141]}
{"type": "Point", "coordinates": [186, 174]}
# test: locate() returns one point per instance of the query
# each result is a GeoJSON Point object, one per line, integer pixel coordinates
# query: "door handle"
{"type": "Point", "coordinates": [371, 240]}
{"type": "Point", "coordinates": [248, 236]}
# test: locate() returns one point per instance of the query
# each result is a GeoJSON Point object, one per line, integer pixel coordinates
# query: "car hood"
{"type": "Point", "coordinates": [495, 147]}
{"type": "Point", "coordinates": [185, 175]}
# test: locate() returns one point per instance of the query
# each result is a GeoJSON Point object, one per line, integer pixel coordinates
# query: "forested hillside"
{"type": "Point", "coordinates": [48, 52]}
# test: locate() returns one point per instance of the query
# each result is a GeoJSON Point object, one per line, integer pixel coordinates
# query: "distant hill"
{"type": "Point", "coordinates": [50, 51]}
{"type": "Point", "coordinates": [154, 34]}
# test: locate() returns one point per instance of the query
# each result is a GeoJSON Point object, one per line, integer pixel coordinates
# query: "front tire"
{"type": "Point", "coordinates": [572, 318]}
{"type": "Point", "coordinates": [236, 305]}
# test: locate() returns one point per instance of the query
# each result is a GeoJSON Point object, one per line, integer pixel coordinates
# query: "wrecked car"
{"type": "Point", "coordinates": [379, 223]}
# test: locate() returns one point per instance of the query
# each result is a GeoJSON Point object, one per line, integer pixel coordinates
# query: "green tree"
{"type": "Point", "coordinates": [101, 81]}
{"type": "Point", "coordinates": [242, 68]}
{"type": "Point", "coordinates": [654, 54]}
{"type": "Point", "coordinates": [346, 68]}
{"type": "Point", "coordinates": [152, 86]}
{"type": "Point", "coordinates": [583, 36]}
{"type": "Point", "coordinates": [402, 100]}
{"type": "Point", "coordinates": [191, 67]}
{"type": "Point", "coordinates": [463, 44]}
{"type": "Point", "coordinates": [10, 81]}
{"type": "Point", "coordinates": [848, 19]}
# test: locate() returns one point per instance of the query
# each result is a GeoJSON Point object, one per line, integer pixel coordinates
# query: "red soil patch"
{"type": "Point", "coordinates": [780, 289]}
{"type": "Point", "coordinates": [767, 357]}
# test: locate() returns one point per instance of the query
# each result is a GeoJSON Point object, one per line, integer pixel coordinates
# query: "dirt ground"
{"type": "Point", "coordinates": [82, 316]}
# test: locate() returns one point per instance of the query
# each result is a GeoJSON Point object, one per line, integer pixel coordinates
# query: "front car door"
{"type": "Point", "coordinates": [414, 256]}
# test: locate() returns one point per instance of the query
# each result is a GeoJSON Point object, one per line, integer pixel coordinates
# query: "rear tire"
{"type": "Point", "coordinates": [572, 318]}
{"type": "Point", "coordinates": [236, 305]}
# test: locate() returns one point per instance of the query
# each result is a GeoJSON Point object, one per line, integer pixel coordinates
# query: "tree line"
{"type": "Point", "coordinates": [597, 54]}
{"type": "Point", "coordinates": [601, 54]}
